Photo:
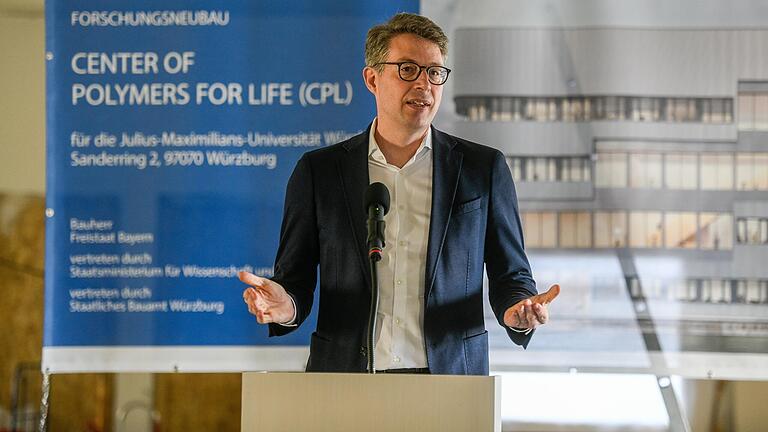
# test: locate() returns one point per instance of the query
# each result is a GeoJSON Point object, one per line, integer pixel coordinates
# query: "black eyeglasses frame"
{"type": "Point", "coordinates": [421, 68]}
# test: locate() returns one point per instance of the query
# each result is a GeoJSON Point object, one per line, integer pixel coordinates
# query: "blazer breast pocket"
{"type": "Point", "coordinates": [468, 206]}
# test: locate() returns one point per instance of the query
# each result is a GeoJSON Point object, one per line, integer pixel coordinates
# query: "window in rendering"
{"type": "Point", "coordinates": [590, 108]}
{"type": "Point", "coordinates": [610, 229]}
{"type": "Point", "coordinates": [752, 230]}
{"type": "Point", "coordinates": [702, 290]}
{"type": "Point", "coordinates": [761, 111]}
{"type": "Point", "coordinates": [645, 170]}
{"type": "Point", "coordinates": [715, 231]}
{"type": "Point", "coordinates": [575, 169]}
{"type": "Point", "coordinates": [611, 170]}
{"type": "Point", "coordinates": [746, 111]}
{"type": "Point", "coordinates": [645, 230]}
{"type": "Point", "coordinates": [752, 171]}
{"type": "Point", "coordinates": [550, 169]}
{"type": "Point", "coordinates": [753, 110]}
{"type": "Point", "coordinates": [540, 229]}
{"type": "Point", "coordinates": [681, 171]}
{"type": "Point", "coordinates": [716, 171]}
{"type": "Point", "coordinates": [751, 291]}
{"type": "Point", "coordinates": [575, 230]}
{"type": "Point", "coordinates": [680, 230]}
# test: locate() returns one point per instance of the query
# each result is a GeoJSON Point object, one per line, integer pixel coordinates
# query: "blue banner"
{"type": "Point", "coordinates": [171, 134]}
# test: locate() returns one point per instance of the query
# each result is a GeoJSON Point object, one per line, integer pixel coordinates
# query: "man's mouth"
{"type": "Point", "coordinates": [419, 103]}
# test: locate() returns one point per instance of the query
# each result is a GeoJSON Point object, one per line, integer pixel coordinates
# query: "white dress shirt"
{"type": "Point", "coordinates": [400, 321]}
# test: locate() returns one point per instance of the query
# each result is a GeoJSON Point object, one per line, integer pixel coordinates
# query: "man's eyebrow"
{"type": "Point", "coordinates": [406, 59]}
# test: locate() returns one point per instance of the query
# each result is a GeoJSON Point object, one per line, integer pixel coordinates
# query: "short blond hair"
{"type": "Point", "coordinates": [379, 37]}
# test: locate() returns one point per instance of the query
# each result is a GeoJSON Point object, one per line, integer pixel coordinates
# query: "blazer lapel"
{"type": "Point", "coordinates": [353, 170]}
{"type": "Point", "coordinates": [446, 169]}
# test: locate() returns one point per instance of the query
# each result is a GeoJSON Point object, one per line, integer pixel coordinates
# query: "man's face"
{"type": "Point", "coordinates": [406, 105]}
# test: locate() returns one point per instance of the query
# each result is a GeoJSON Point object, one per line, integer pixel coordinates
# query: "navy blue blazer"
{"type": "Point", "coordinates": [474, 221]}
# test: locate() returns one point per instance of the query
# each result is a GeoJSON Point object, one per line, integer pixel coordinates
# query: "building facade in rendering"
{"type": "Point", "coordinates": [646, 143]}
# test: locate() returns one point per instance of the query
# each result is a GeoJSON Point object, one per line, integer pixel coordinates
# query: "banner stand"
{"type": "Point", "coordinates": [46, 390]}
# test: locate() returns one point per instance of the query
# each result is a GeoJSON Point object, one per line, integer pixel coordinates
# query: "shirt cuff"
{"type": "Point", "coordinates": [524, 331]}
{"type": "Point", "coordinates": [292, 321]}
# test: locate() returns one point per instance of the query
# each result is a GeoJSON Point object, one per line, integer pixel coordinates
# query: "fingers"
{"type": "Point", "coordinates": [257, 305]}
{"type": "Point", "coordinates": [534, 315]}
{"type": "Point", "coordinates": [248, 294]}
{"type": "Point", "coordinates": [532, 312]}
{"type": "Point", "coordinates": [542, 315]}
{"type": "Point", "coordinates": [249, 297]}
{"type": "Point", "coordinates": [549, 295]}
{"type": "Point", "coordinates": [267, 300]}
{"type": "Point", "coordinates": [525, 315]}
{"type": "Point", "coordinates": [509, 316]}
{"type": "Point", "coordinates": [530, 315]}
{"type": "Point", "coordinates": [263, 317]}
{"type": "Point", "coordinates": [252, 279]}
{"type": "Point", "coordinates": [268, 287]}
{"type": "Point", "coordinates": [520, 317]}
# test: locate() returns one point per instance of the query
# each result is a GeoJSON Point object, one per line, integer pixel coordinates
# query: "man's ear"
{"type": "Point", "coordinates": [371, 79]}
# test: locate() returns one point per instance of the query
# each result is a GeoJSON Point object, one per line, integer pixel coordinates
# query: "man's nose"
{"type": "Point", "coordinates": [422, 81]}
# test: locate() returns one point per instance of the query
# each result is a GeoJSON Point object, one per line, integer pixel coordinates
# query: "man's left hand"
{"type": "Point", "coordinates": [531, 312]}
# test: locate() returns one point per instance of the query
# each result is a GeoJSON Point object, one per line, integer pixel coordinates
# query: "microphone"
{"type": "Point", "coordinates": [377, 205]}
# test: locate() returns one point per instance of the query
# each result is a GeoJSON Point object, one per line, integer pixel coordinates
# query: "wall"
{"type": "Point", "coordinates": [77, 401]}
{"type": "Point", "coordinates": [22, 102]}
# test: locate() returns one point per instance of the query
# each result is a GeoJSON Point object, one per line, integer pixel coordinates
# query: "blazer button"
{"type": "Point", "coordinates": [363, 351]}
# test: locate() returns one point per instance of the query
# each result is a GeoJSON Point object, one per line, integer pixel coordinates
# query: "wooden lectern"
{"type": "Point", "coordinates": [337, 402]}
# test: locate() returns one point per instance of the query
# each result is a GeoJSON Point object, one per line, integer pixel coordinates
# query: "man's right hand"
{"type": "Point", "coordinates": [267, 300]}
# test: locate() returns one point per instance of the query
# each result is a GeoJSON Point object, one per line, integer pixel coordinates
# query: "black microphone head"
{"type": "Point", "coordinates": [377, 193]}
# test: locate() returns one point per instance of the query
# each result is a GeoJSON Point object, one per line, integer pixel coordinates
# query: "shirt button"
{"type": "Point", "coordinates": [399, 282]}
{"type": "Point", "coordinates": [396, 359]}
{"type": "Point", "coordinates": [397, 320]}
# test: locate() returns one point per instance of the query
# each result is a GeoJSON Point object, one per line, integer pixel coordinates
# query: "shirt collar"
{"type": "Point", "coordinates": [375, 153]}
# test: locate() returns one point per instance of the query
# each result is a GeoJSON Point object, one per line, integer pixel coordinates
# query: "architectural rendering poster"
{"type": "Point", "coordinates": [637, 136]}
{"type": "Point", "coordinates": [172, 131]}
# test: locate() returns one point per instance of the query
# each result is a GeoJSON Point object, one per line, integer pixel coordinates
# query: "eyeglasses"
{"type": "Point", "coordinates": [410, 71]}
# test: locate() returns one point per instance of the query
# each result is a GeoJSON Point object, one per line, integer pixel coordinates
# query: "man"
{"type": "Point", "coordinates": [453, 209]}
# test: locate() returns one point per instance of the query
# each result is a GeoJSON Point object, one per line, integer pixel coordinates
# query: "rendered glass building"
{"type": "Point", "coordinates": [644, 143]}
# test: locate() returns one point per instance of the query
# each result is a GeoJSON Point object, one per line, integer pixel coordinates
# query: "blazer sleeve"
{"type": "Point", "coordinates": [298, 253]}
{"type": "Point", "coordinates": [509, 273]}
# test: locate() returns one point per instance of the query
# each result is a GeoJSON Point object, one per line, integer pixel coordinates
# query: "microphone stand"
{"type": "Point", "coordinates": [376, 227]}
